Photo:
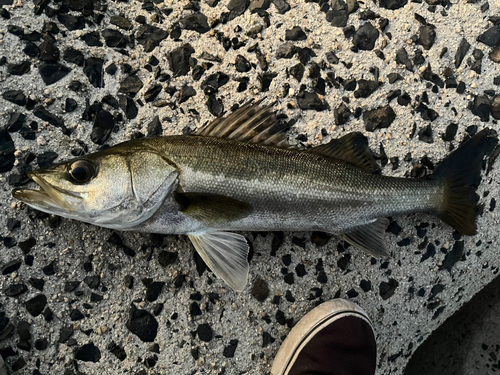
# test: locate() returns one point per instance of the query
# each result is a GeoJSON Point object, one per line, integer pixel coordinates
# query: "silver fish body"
{"type": "Point", "coordinates": [288, 190]}
{"type": "Point", "coordinates": [239, 174]}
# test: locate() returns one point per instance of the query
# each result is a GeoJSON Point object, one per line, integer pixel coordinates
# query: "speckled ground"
{"type": "Point", "coordinates": [82, 299]}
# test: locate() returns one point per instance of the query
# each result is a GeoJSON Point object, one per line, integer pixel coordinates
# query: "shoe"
{"type": "Point", "coordinates": [335, 338]}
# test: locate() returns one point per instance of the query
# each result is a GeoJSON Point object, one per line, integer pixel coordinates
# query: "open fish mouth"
{"type": "Point", "coordinates": [47, 197]}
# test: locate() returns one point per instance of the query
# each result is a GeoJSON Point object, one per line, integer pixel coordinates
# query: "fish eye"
{"type": "Point", "coordinates": [81, 171]}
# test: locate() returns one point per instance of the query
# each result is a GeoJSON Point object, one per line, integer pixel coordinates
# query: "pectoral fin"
{"type": "Point", "coordinates": [370, 237]}
{"type": "Point", "coordinates": [212, 209]}
{"type": "Point", "coordinates": [225, 253]}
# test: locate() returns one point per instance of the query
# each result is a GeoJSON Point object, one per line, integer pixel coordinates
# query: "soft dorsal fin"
{"type": "Point", "coordinates": [370, 237]}
{"type": "Point", "coordinates": [251, 123]}
{"type": "Point", "coordinates": [352, 148]}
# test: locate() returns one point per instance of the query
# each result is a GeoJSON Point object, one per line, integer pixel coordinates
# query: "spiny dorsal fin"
{"type": "Point", "coordinates": [251, 123]}
{"type": "Point", "coordinates": [211, 208]}
{"type": "Point", "coordinates": [352, 148]}
{"type": "Point", "coordinates": [370, 237]}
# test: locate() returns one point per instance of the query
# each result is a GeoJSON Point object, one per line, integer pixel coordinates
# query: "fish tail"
{"type": "Point", "coordinates": [459, 176]}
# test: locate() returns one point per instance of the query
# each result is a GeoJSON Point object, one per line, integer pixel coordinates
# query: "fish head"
{"type": "Point", "coordinates": [116, 188]}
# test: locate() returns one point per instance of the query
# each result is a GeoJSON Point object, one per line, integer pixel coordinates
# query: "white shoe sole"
{"type": "Point", "coordinates": [318, 318]}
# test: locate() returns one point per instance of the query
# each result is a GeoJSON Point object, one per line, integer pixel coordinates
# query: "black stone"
{"type": "Point", "coordinates": [114, 38]}
{"type": "Point", "coordinates": [37, 283]}
{"type": "Point", "coordinates": [387, 289]}
{"type": "Point", "coordinates": [53, 72]}
{"type": "Point", "coordinates": [179, 60]}
{"type": "Point", "coordinates": [31, 50]}
{"type": "Point", "coordinates": [281, 5]}
{"type": "Point", "coordinates": [196, 21]}
{"type": "Point", "coordinates": [310, 100]}
{"type": "Point", "coordinates": [76, 315]}
{"type": "Point", "coordinates": [339, 14]}
{"type": "Point", "coordinates": [15, 290]}
{"type": "Point", "coordinates": [15, 96]}
{"type": "Point", "coordinates": [121, 22]}
{"type": "Point", "coordinates": [92, 281]}
{"type": "Point", "coordinates": [152, 92]}
{"type": "Point", "coordinates": [230, 349]}
{"type": "Point", "coordinates": [11, 266]}
{"type": "Point", "coordinates": [425, 134]}
{"type": "Point", "coordinates": [296, 33]}
{"type": "Point", "coordinates": [481, 107]}
{"type": "Point", "coordinates": [15, 122]}
{"type": "Point", "coordinates": [154, 128]}
{"type": "Point", "coordinates": [300, 270]}
{"type": "Point", "coordinates": [26, 245]}
{"type": "Point", "coordinates": [93, 69]}
{"type": "Point", "coordinates": [267, 339]}
{"type": "Point", "coordinates": [450, 132]}
{"type": "Point", "coordinates": [427, 36]}
{"type": "Point", "coordinates": [366, 285]}
{"type": "Point", "coordinates": [402, 58]}
{"type": "Point", "coordinates": [75, 85]}
{"type": "Point", "coordinates": [128, 106]}
{"type": "Point", "coordinates": [36, 304]}
{"type": "Point", "coordinates": [117, 350]}
{"type": "Point", "coordinates": [392, 4]}
{"type": "Point", "coordinates": [393, 77]}
{"type": "Point", "coordinates": [320, 238]}
{"type": "Point", "coordinates": [111, 101]}
{"type": "Point", "coordinates": [150, 37]}
{"type": "Point", "coordinates": [332, 58]}
{"type": "Point", "coordinates": [194, 309]}
{"type": "Point", "coordinates": [242, 65]}
{"type": "Point", "coordinates": [142, 324]}
{"type": "Point", "coordinates": [297, 71]}
{"type": "Point", "coordinates": [103, 125]}
{"type": "Point", "coordinates": [128, 281]}
{"type": "Point", "coordinates": [366, 88]}
{"type": "Point", "coordinates": [7, 149]}
{"type": "Point", "coordinates": [185, 93]}
{"type": "Point", "coordinates": [453, 256]}
{"type": "Point", "coordinates": [215, 106]}
{"type": "Point", "coordinates": [130, 85]}
{"type": "Point", "coordinates": [41, 344]}
{"type": "Point", "coordinates": [71, 22]}
{"type": "Point", "coordinates": [490, 37]}
{"type": "Point", "coordinates": [260, 290]}
{"type": "Point", "coordinates": [48, 270]}
{"type": "Point", "coordinates": [70, 105]}
{"type": "Point", "coordinates": [65, 333]}
{"type": "Point", "coordinates": [154, 290]}
{"type": "Point", "coordinates": [165, 258]}
{"type": "Point", "coordinates": [381, 117]}
{"type": "Point", "coordinates": [205, 332]}
{"type": "Point", "coordinates": [73, 56]}
{"type": "Point", "coordinates": [88, 353]}
{"type": "Point", "coordinates": [19, 69]}
{"type": "Point", "coordinates": [286, 51]}
{"type": "Point", "coordinates": [365, 37]}
{"type": "Point", "coordinates": [92, 39]}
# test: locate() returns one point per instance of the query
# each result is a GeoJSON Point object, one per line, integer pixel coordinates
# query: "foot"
{"type": "Point", "coordinates": [335, 338]}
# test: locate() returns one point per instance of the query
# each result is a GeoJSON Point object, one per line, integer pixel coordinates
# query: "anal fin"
{"type": "Point", "coordinates": [225, 253]}
{"type": "Point", "coordinates": [370, 237]}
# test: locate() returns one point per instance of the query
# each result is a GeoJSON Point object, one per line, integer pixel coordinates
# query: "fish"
{"type": "Point", "coordinates": [239, 173]}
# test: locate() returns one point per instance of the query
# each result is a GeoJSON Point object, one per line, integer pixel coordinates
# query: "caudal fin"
{"type": "Point", "coordinates": [460, 175]}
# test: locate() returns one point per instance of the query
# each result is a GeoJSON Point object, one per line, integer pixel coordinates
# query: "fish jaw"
{"type": "Point", "coordinates": [49, 198]}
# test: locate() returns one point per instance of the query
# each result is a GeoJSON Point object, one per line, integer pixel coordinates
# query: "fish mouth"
{"type": "Point", "coordinates": [47, 197]}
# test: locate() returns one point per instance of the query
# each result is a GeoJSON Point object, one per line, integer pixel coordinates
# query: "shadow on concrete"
{"type": "Point", "coordinates": [467, 343]}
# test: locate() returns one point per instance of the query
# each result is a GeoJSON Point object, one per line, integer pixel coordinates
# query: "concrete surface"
{"type": "Point", "coordinates": [408, 295]}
